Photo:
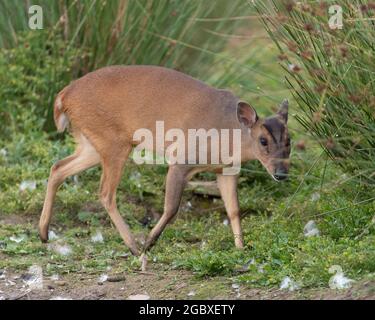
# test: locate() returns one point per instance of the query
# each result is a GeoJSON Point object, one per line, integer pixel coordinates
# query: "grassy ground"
{"type": "Point", "coordinates": [198, 243]}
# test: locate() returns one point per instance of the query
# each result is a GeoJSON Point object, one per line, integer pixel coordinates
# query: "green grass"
{"type": "Point", "coordinates": [274, 215]}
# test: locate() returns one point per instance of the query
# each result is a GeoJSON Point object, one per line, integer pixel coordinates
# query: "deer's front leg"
{"type": "Point", "coordinates": [175, 183]}
{"type": "Point", "coordinates": [228, 189]}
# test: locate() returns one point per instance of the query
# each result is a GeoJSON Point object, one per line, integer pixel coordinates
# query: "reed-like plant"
{"type": "Point", "coordinates": [331, 72]}
{"type": "Point", "coordinates": [185, 35]}
{"type": "Point", "coordinates": [164, 32]}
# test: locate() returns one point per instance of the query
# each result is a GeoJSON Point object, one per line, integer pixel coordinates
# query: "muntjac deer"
{"type": "Point", "coordinates": [107, 107]}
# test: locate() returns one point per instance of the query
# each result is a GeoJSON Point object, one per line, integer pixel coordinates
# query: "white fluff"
{"type": "Point", "coordinates": [3, 152]}
{"type": "Point", "coordinates": [315, 196]}
{"type": "Point", "coordinates": [289, 284]}
{"type": "Point", "coordinates": [103, 278]}
{"type": "Point", "coordinates": [52, 235]}
{"type": "Point", "coordinates": [28, 185]}
{"type": "Point", "coordinates": [61, 298]}
{"type": "Point", "coordinates": [191, 294]}
{"type": "Point", "coordinates": [311, 229]}
{"type": "Point", "coordinates": [339, 281]}
{"type": "Point", "coordinates": [61, 249]}
{"type": "Point", "coordinates": [17, 239]}
{"type": "Point", "coordinates": [97, 237]}
{"type": "Point", "coordinates": [35, 279]}
{"type": "Point", "coordinates": [139, 297]}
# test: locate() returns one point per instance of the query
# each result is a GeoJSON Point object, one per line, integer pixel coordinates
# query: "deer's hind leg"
{"type": "Point", "coordinates": [85, 157]}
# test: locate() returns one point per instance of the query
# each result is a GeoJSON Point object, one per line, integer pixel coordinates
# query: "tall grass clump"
{"type": "Point", "coordinates": [331, 73]}
{"type": "Point", "coordinates": [184, 35]}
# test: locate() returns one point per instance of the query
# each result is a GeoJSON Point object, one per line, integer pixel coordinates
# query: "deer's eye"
{"type": "Point", "coordinates": [263, 141]}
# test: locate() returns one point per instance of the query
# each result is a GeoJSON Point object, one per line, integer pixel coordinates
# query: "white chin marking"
{"type": "Point", "coordinates": [274, 178]}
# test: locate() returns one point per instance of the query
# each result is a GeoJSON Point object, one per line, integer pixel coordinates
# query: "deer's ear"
{"type": "Point", "coordinates": [246, 114]}
{"type": "Point", "coordinates": [283, 110]}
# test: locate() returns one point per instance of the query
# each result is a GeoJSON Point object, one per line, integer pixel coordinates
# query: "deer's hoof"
{"type": "Point", "coordinates": [43, 236]}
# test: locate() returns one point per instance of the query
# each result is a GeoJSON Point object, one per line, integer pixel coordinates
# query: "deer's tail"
{"type": "Point", "coordinates": [60, 117]}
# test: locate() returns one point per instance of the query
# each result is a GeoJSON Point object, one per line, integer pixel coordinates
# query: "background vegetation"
{"type": "Point", "coordinates": [80, 36]}
{"type": "Point", "coordinates": [225, 45]}
{"type": "Point", "coordinates": [331, 74]}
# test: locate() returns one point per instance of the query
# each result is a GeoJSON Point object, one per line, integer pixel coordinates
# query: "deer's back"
{"type": "Point", "coordinates": [116, 101]}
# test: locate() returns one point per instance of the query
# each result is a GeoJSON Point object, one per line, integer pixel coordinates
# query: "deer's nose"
{"type": "Point", "coordinates": [281, 174]}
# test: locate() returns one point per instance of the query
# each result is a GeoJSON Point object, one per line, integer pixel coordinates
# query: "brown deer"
{"type": "Point", "coordinates": [106, 107]}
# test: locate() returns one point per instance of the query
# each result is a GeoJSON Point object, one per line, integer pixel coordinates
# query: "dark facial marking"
{"type": "Point", "coordinates": [275, 128]}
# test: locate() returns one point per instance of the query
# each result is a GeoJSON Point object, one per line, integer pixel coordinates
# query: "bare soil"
{"type": "Point", "coordinates": [159, 284]}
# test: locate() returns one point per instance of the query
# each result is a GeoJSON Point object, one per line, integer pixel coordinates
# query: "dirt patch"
{"type": "Point", "coordinates": [155, 284]}
{"type": "Point", "coordinates": [159, 284]}
{"type": "Point", "coordinates": [16, 219]}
